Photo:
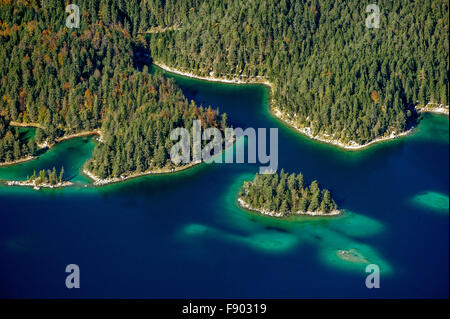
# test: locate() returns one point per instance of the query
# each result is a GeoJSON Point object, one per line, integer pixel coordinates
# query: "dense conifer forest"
{"type": "Point", "coordinates": [74, 80]}
{"type": "Point", "coordinates": [329, 72]}
{"type": "Point", "coordinates": [51, 177]}
{"type": "Point", "coordinates": [286, 193]}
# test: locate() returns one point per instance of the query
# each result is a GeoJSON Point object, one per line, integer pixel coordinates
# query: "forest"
{"type": "Point", "coordinates": [286, 193]}
{"type": "Point", "coordinates": [329, 72]}
{"type": "Point", "coordinates": [136, 141]}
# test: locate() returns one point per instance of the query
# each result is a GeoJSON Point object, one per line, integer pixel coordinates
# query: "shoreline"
{"type": "Point", "coordinates": [159, 29]}
{"type": "Point", "coordinates": [59, 139]}
{"type": "Point", "coordinates": [429, 108]}
{"type": "Point", "coordinates": [80, 134]}
{"type": "Point", "coordinates": [277, 113]}
{"type": "Point", "coordinates": [211, 78]}
{"type": "Point", "coordinates": [18, 124]}
{"type": "Point", "coordinates": [101, 182]}
{"type": "Point", "coordinates": [49, 146]}
{"type": "Point", "coordinates": [306, 131]}
{"type": "Point", "coordinates": [46, 144]}
{"type": "Point", "coordinates": [39, 186]}
{"type": "Point", "coordinates": [243, 204]}
{"type": "Point", "coordinates": [351, 255]}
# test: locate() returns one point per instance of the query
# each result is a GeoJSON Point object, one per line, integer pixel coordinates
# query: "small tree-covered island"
{"type": "Point", "coordinates": [45, 179]}
{"type": "Point", "coordinates": [283, 194]}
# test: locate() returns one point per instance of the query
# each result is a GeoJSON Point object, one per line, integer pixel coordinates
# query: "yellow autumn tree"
{"type": "Point", "coordinates": [375, 96]}
{"type": "Point", "coordinates": [88, 99]}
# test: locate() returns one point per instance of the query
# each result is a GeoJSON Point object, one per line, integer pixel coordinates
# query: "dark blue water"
{"type": "Point", "coordinates": [182, 235]}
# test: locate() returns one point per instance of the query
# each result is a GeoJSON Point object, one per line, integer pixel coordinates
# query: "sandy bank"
{"type": "Point", "coordinates": [276, 112]}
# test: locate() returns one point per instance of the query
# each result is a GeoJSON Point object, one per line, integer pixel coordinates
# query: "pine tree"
{"type": "Point", "coordinates": [61, 175]}
{"type": "Point", "coordinates": [326, 204]}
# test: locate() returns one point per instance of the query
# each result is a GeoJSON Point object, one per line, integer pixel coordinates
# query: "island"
{"type": "Point", "coordinates": [45, 179]}
{"type": "Point", "coordinates": [351, 255]}
{"type": "Point", "coordinates": [95, 79]}
{"type": "Point", "coordinates": [281, 195]}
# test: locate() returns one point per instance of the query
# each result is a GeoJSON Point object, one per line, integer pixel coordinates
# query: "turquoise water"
{"type": "Point", "coordinates": [183, 235]}
{"type": "Point", "coordinates": [70, 154]}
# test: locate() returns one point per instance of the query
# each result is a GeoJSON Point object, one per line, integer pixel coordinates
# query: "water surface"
{"type": "Point", "coordinates": [182, 235]}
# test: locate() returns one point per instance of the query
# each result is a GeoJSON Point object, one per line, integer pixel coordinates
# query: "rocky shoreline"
{"type": "Point", "coordinates": [100, 182]}
{"type": "Point", "coordinates": [46, 144]}
{"type": "Point", "coordinates": [348, 146]}
{"type": "Point", "coordinates": [59, 139]}
{"type": "Point", "coordinates": [243, 204]}
{"type": "Point", "coordinates": [22, 160]}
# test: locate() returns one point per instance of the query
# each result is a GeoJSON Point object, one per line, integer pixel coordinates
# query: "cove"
{"type": "Point", "coordinates": [183, 235]}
